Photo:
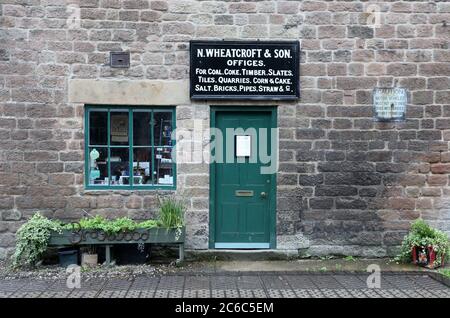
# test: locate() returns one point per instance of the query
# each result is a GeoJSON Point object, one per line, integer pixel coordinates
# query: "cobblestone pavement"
{"type": "Point", "coordinates": [226, 285]}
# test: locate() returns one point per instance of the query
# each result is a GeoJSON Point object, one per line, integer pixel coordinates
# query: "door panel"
{"type": "Point", "coordinates": [242, 218]}
{"type": "Point", "coordinates": [230, 211]}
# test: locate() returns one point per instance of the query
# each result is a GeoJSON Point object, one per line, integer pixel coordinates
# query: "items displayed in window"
{"type": "Point", "coordinates": [142, 166]}
{"type": "Point", "coordinates": [119, 128]}
{"type": "Point", "coordinates": [129, 148]}
{"type": "Point", "coordinates": [119, 166]}
{"type": "Point", "coordinates": [163, 163]}
{"type": "Point", "coordinates": [97, 165]}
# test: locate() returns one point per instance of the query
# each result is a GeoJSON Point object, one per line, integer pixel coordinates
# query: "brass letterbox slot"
{"type": "Point", "coordinates": [244, 193]}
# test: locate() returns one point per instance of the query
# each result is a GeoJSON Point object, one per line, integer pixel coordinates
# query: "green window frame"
{"type": "Point", "coordinates": [108, 146]}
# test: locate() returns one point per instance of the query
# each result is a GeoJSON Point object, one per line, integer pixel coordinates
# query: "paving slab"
{"type": "Point", "coordinates": [275, 279]}
{"type": "Point", "coordinates": [313, 265]}
{"type": "Point", "coordinates": [245, 285]}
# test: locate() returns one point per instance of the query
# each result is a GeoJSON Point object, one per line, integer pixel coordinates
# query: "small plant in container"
{"type": "Point", "coordinates": [89, 256]}
{"type": "Point", "coordinates": [171, 214]}
{"type": "Point", "coordinates": [424, 246]}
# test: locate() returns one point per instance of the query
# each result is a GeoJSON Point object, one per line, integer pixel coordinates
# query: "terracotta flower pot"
{"type": "Point", "coordinates": [89, 260]}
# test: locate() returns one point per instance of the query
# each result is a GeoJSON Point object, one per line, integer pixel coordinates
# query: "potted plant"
{"type": "Point", "coordinates": [171, 213]}
{"type": "Point", "coordinates": [89, 256]}
{"type": "Point", "coordinates": [425, 246]}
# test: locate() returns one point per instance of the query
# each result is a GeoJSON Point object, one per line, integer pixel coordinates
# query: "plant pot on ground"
{"type": "Point", "coordinates": [425, 246]}
{"type": "Point", "coordinates": [89, 256]}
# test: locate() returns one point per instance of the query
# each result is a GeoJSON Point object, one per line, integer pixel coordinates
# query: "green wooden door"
{"type": "Point", "coordinates": [242, 193]}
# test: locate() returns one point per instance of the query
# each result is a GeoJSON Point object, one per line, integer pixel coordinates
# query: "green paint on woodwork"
{"type": "Point", "coordinates": [237, 216]}
{"type": "Point", "coordinates": [129, 111]}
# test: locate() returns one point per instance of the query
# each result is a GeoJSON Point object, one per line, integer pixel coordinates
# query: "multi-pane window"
{"type": "Point", "coordinates": [129, 148]}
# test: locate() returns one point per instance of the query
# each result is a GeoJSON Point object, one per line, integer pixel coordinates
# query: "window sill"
{"type": "Point", "coordinates": [127, 191]}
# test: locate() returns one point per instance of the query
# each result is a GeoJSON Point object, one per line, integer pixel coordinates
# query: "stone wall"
{"type": "Point", "coordinates": [346, 184]}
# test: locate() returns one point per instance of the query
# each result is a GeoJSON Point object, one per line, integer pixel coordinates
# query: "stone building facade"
{"type": "Point", "coordinates": [345, 183]}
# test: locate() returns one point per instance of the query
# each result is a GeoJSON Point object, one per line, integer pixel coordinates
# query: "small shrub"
{"type": "Point", "coordinates": [32, 239]}
{"type": "Point", "coordinates": [423, 235]}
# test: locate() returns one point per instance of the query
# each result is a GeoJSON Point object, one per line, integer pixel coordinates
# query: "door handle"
{"type": "Point", "coordinates": [263, 195]}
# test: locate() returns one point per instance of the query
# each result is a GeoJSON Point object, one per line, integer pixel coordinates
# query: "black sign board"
{"type": "Point", "coordinates": [244, 70]}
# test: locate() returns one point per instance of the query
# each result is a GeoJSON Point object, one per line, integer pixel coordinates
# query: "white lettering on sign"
{"type": "Point", "coordinates": [285, 53]}
{"type": "Point", "coordinates": [244, 53]}
{"type": "Point", "coordinates": [250, 69]}
{"type": "Point", "coordinates": [390, 103]}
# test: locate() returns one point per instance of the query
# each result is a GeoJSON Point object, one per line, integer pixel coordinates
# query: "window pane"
{"type": "Point", "coordinates": [141, 128]}
{"type": "Point", "coordinates": [98, 124]}
{"type": "Point", "coordinates": [164, 166]}
{"type": "Point", "coordinates": [142, 166]}
{"type": "Point", "coordinates": [119, 128]}
{"type": "Point", "coordinates": [163, 128]}
{"type": "Point", "coordinates": [120, 168]}
{"type": "Point", "coordinates": [97, 166]}
{"type": "Point", "coordinates": [109, 133]}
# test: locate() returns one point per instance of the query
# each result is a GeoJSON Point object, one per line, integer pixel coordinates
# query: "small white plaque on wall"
{"type": "Point", "coordinates": [389, 104]}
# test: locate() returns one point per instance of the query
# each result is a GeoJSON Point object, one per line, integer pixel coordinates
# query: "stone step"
{"type": "Point", "coordinates": [243, 254]}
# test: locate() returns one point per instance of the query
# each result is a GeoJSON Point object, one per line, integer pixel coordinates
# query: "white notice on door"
{"type": "Point", "coordinates": [243, 145]}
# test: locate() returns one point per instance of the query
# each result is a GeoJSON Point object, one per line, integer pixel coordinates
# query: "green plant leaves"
{"type": "Point", "coordinates": [422, 234]}
{"type": "Point", "coordinates": [32, 239]}
{"type": "Point", "coordinates": [171, 213]}
{"type": "Point", "coordinates": [123, 224]}
{"type": "Point", "coordinates": [149, 224]}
